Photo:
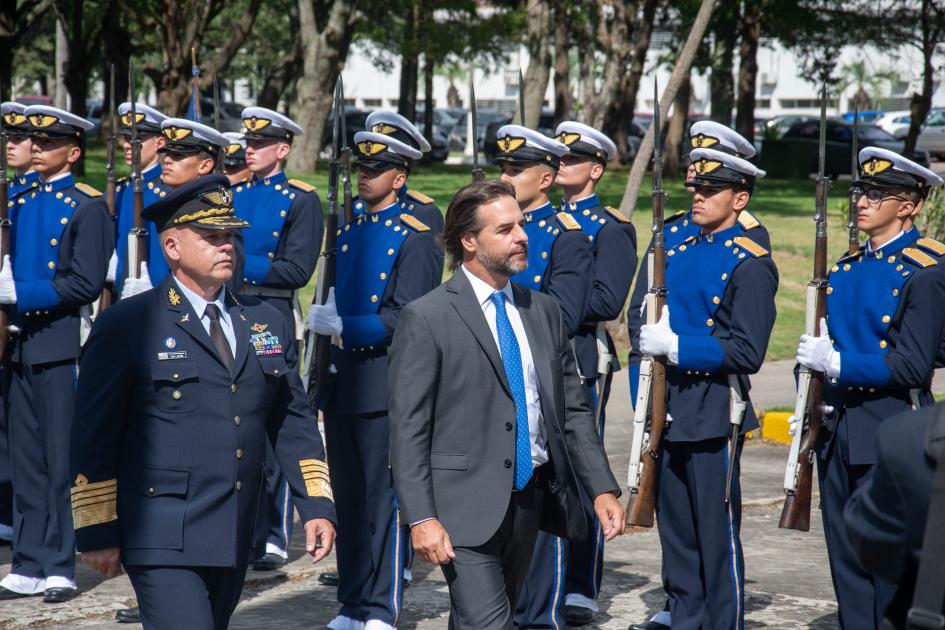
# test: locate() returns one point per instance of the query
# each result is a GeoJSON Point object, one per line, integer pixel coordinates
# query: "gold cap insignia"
{"type": "Point", "coordinates": [369, 147]}
{"type": "Point", "coordinates": [569, 138]}
{"type": "Point", "coordinates": [259, 328]}
{"type": "Point", "coordinates": [383, 128]}
{"type": "Point", "coordinates": [173, 296]}
{"type": "Point", "coordinates": [176, 134]}
{"type": "Point", "coordinates": [43, 120]}
{"type": "Point", "coordinates": [233, 148]}
{"type": "Point", "coordinates": [255, 123]}
{"type": "Point", "coordinates": [875, 166]}
{"type": "Point", "coordinates": [706, 166]}
{"type": "Point", "coordinates": [702, 141]}
{"type": "Point", "coordinates": [127, 121]}
{"type": "Point", "coordinates": [14, 118]}
{"type": "Point", "coordinates": [508, 144]}
{"type": "Point", "coordinates": [219, 197]}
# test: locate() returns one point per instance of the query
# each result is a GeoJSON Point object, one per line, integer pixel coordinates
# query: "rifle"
{"type": "Point", "coordinates": [521, 98]}
{"type": "Point", "coordinates": [105, 299]}
{"type": "Point", "coordinates": [4, 227]}
{"type": "Point", "coordinates": [809, 405]}
{"type": "Point", "coordinates": [216, 118]}
{"type": "Point", "coordinates": [641, 477]}
{"type": "Point", "coordinates": [138, 236]}
{"type": "Point", "coordinates": [855, 191]}
{"type": "Point", "coordinates": [477, 173]}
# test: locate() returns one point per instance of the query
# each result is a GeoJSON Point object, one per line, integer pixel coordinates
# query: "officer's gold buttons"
{"type": "Point", "coordinates": [742, 255]}
{"type": "Point", "coordinates": [671, 253]}
{"type": "Point", "coordinates": [829, 290]}
{"type": "Point", "coordinates": [270, 255]}
{"type": "Point", "coordinates": [716, 300]}
{"type": "Point", "coordinates": [374, 298]}
{"type": "Point", "coordinates": [709, 322]}
{"type": "Point", "coordinates": [846, 267]}
{"type": "Point", "coordinates": [175, 395]}
{"type": "Point", "coordinates": [674, 229]}
{"type": "Point", "coordinates": [63, 220]}
{"type": "Point", "coordinates": [886, 319]}
{"type": "Point", "coordinates": [344, 247]}
{"type": "Point", "coordinates": [383, 276]}
{"type": "Point", "coordinates": [835, 268]}
{"type": "Point", "coordinates": [58, 195]}
{"type": "Point", "coordinates": [537, 278]}
{"type": "Point", "coordinates": [397, 228]}
{"type": "Point", "coordinates": [898, 267]}
{"type": "Point", "coordinates": [682, 248]}
{"type": "Point", "coordinates": [895, 292]}
{"type": "Point", "coordinates": [390, 252]}
{"type": "Point", "coordinates": [891, 259]}
{"type": "Point", "coordinates": [388, 223]}
{"type": "Point", "coordinates": [239, 486]}
{"type": "Point", "coordinates": [728, 243]}
{"type": "Point", "coordinates": [275, 234]}
{"type": "Point", "coordinates": [544, 255]}
{"type": "Point", "coordinates": [237, 420]}
{"type": "Point", "coordinates": [542, 223]}
{"type": "Point", "coordinates": [51, 264]}
{"type": "Point", "coordinates": [586, 212]}
{"type": "Point", "coordinates": [724, 276]}
{"type": "Point", "coordinates": [233, 388]}
{"type": "Point", "coordinates": [593, 217]}
{"type": "Point", "coordinates": [239, 453]}
{"type": "Point", "coordinates": [53, 242]}
{"type": "Point", "coordinates": [282, 213]}
{"type": "Point", "coordinates": [883, 344]}
{"type": "Point", "coordinates": [278, 186]}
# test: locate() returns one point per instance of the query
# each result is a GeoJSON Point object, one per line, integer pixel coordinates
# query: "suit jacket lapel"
{"type": "Point", "coordinates": [537, 343]}
{"type": "Point", "coordinates": [241, 332]}
{"type": "Point", "coordinates": [468, 307]}
{"type": "Point", "coordinates": [186, 317]}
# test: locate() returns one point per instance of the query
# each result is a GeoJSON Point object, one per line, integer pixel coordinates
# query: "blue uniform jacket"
{"type": "Point", "coordinates": [560, 262]}
{"type": "Point", "coordinates": [19, 184]}
{"type": "Point", "coordinates": [61, 241]}
{"type": "Point", "coordinates": [152, 189]}
{"type": "Point", "coordinates": [885, 316]}
{"type": "Point", "coordinates": [614, 242]}
{"type": "Point", "coordinates": [386, 260]}
{"type": "Point", "coordinates": [419, 205]}
{"type": "Point", "coordinates": [720, 292]}
{"type": "Point", "coordinates": [164, 433]}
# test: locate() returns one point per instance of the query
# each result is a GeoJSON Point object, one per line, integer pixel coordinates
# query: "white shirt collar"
{"type": "Point", "coordinates": [483, 291]}
{"type": "Point", "coordinates": [200, 304]}
{"type": "Point", "coordinates": [870, 248]}
{"type": "Point", "coordinates": [56, 178]}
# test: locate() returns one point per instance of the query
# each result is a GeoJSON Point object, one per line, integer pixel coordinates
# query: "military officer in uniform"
{"type": "Point", "coordinates": [714, 332]}
{"type": "Point", "coordinates": [877, 347]}
{"type": "Point", "coordinates": [234, 159]}
{"type": "Point", "coordinates": [62, 239]}
{"type": "Point", "coordinates": [386, 259]}
{"type": "Point", "coordinates": [190, 150]}
{"type": "Point", "coordinates": [180, 390]}
{"type": "Point", "coordinates": [149, 134]}
{"type": "Point", "coordinates": [19, 149]}
{"type": "Point", "coordinates": [703, 134]}
{"type": "Point", "coordinates": [281, 251]}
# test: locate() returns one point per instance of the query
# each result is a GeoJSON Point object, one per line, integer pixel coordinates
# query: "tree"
{"type": "Point", "coordinates": [678, 125]}
{"type": "Point", "coordinates": [931, 27]}
{"type": "Point", "coordinates": [16, 20]}
{"type": "Point", "coordinates": [538, 44]}
{"type": "Point", "coordinates": [722, 82]}
{"type": "Point", "coordinates": [750, 25]}
{"type": "Point", "coordinates": [564, 103]}
{"type": "Point", "coordinates": [82, 25]}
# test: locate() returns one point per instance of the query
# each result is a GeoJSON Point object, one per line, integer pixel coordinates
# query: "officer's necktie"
{"type": "Point", "coordinates": [219, 339]}
{"type": "Point", "coordinates": [512, 360]}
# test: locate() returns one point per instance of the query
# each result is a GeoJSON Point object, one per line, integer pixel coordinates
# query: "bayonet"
{"type": "Point", "coordinates": [521, 98]}
{"type": "Point", "coordinates": [111, 143]}
{"type": "Point", "coordinates": [4, 227]}
{"type": "Point", "coordinates": [855, 190]}
{"type": "Point", "coordinates": [344, 156]}
{"type": "Point", "coordinates": [138, 236]}
{"type": "Point", "coordinates": [477, 173]}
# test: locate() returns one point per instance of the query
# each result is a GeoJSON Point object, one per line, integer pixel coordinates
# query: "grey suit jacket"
{"type": "Point", "coordinates": [452, 416]}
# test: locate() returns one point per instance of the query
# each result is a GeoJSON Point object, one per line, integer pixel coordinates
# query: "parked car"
{"type": "Point", "coordinates": [439, 143]}
{"type": "Point", "coordinates": [355, 121]}
{"type": "Point", "coordinates": [895, 124]}
{"type": "Point", "coordinates": [866, 118]}
{"type": "Point", "coordinates": [932, 136]}
{"type": "Point", "coordinates": [775, 128]}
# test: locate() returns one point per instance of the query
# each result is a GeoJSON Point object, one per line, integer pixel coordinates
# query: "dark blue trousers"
{"type": "Point", "coordinates": [186, 598]}
{"type": "Point", "coordinates": [6, 487]}
{"type": "Point", "coordinates": [41, 402]}
{"type": "Point", "coordinates": [699, 535]}
{"type": "Point", "coordinates": [372, 541]}
{"type": "Point", "coordinates": [861, 597]}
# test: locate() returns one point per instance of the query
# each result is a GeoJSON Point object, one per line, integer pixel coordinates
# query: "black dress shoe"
{"type": "Point", "coordinates": [269, 562]}
{"type": "Point", "coordinates": [650, 625]}
{"type": "Point", "coordinates": [6, 593]}
{"type": "Point", "coordinates": [59, 594]}
{"type": "Point", "coordinates": [578, 615]}
{"type": "Point", "coordinates": [328, 578]}
{"type": "Point", "coordinates": [128, 615]}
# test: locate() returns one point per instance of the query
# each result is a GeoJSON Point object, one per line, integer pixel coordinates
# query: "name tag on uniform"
{"type": "Point", "coordinates": [167, 356]}
{"type": "Point", "coordinates": [265, 343]}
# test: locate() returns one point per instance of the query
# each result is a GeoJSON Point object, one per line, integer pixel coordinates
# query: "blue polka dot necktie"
{"type": "Point", "coordinates": [512, 360]}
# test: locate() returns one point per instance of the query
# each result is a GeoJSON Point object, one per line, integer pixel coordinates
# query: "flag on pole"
{"type": "Point", "coordinates": [193, 109]}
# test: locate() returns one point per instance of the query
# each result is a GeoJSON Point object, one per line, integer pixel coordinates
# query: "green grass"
{"type": "Point", "coordinates": [784, 206]}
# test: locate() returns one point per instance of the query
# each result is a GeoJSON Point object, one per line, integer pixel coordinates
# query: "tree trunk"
{"type": "Point", "coordinates": [564, 103]}
{"type": "Point", "coordinates": [672, 153]}
{"type": "Point", "coordinates": [751, 23]}
{"type": "Point", "coordinates": [410, 65]}
{"type": "Point", "coordinates": [279, 78]}
{"type": "Point", "coordinates": [16, 19]}
{"type": "Point", "coordinates": [722, 84]}
{"type": "Point", "coordinates": [429, 103]}
{"type": "Point", "coordinates": [683, 64]}
{"type": "Point", "coordinates": [61, 65]}
{"type": "Point", "coordinates": [452, 96]}
{"type": "Point", "coordinates": [922, 103]}
{"type": "Point", "coordinates": [538, 43]}
{"type": "Point", "coordinates": [325, 45]}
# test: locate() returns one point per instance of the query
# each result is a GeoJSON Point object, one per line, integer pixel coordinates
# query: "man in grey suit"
{"type": "Point", "coordinates": [491, 436]}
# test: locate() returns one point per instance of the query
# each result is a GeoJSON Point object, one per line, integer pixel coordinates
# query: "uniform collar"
{"type": "Point", "coordinates": [60, 182]}
{"type": "Point", "coordinates": [539, 213]}
{"type": "Point", "coordinates": [152, 172]}
{"type": "Point", "coordinates": [591, 201]}
{"type": "Point", "coordinates": [278, 178]}
{"type": "Point", "coordinates": [900, 241]}
{"type": "Point", "coordinates": [198, 303]}
{"type": "Point", "coordinates": [27, 178]}
{"type": "Point", "coordinates": [720, 236]}
{"type": "Point", "coordinates": [386, 213]}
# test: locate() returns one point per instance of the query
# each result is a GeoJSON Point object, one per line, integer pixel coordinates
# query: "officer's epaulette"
{"type": "Point", "coordinates": [750, 246]}
{"type": "Point", "coordinates": [674, 218]}
{"type": "Point", "coordinates": [917, 257]}
{"type": "Point", "coordinates": [414, 223]}
{"type": "Point", "coordinates": [87, 190]}
{"type": "Point", "coordinates": [568, 222]}
{"type": "Point", "coordinates": [931, 245]}
{"type": "Point", "coordinates": [854, 256]}
{"type": "Point", "coordinates": [617, 214]}
{"type": "Point", "coordinates": [419, 196]}
{"type": "Point", "coordinates": [747, 220]}
{"type": "Point", "coordinates": [303, 186]}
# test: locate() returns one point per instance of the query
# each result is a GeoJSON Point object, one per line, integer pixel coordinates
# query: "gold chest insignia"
{"type": "Point", "coordinates": [173, 297]}
{"type": "Point", "coordinates": [259, 328]}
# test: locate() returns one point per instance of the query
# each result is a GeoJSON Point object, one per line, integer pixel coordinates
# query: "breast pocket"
{"type": "Point", "coordinates": [175, 385]}
{"type": "Point", "coordinates": [273, 366]}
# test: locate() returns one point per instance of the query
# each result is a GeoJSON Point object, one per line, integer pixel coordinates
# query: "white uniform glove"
{"type": "Point", "coordinates": [7, 285]}
{"type": "Point", "coordinates": [794, 423]}
{"type": "Point", "coordinates": [817, 353]}
{"type": "Point", "coordinates": [134, 286]}
{"type": "Point", "coordinates": [112, 268]}
{"type": "Point", "coordinates": [659, 339]}
{"type": "Point", "coordinates": [323, 319]}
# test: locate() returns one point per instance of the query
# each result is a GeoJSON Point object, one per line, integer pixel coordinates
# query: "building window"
{"type": "Point", "coordinates": [372, 102]}
{"type": "Point", "coordinates": [799, 103]}
{"type": "Point", "coordinates": [763, 103]}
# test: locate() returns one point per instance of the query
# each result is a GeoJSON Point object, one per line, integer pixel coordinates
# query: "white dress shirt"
{"type": "Point", "coordinates": [200, 307]}
{"type": "Point", "coordinates": [536, 429]}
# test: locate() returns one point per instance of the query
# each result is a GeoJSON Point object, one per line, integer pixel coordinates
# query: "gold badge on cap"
{"type": "Point", "coordinates": [704, 167]}
{"type": "Point", "coordinates": [369, 147]}
{"type": "Point", "coordinates": [14, 118]}
{"type": "Point", "coordinates": [176, 134]}
{"type": "Point", "coordinates": [383, 128]}
{"type": "Point", "coordinates": [569, 138]}
{"type": "Point", "coordinates": [875, 166]}
{"type": "Point", "coordinates": [43, 120]}
{"type": "Point", "coordinates": [126, 119]}
{"type": "Point", "coordinates": [702, 141]}
{"type": "Point", "coordinates": [233, 148]}
{"type": "Point", "coordinates": [508, 144]}
{"type": "Point", "coordinates": [219, 197]}
{"type": "Point", "coordinates": [255, 123]}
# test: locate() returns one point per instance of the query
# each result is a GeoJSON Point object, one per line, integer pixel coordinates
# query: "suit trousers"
{"type": "Point", "coordinates": [186, 598]}
{"type": "Point", "coordinates": [41, 402]}
{"type": "Point", "coordinates": [485, 581]}
{"type": "Point", "coordinates": [861, 598]}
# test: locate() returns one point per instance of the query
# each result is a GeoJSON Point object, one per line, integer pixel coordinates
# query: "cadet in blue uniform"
{"type": "Point", "coordinates": [149, 133]}
{"type": "Point", "coordinates": [714, 332]}
{"type": "Point", "coordinates": [280, 251]}
{"type": "Point", "coordinates": [190, 150]}
{"type": "Point", "coordinates": [677, 228]}
{"type": "Point", "coordinates": [234, 159]}
{"type": "Point", "coordinates": [886, 325]}
{"type": "Point", "coordinates": [386, 259]}
{"type": "Point", "coordinates": [19, 146]}
{"type": "Point", "coordinates": [61, 241]}
{"type": "Point", "coordinates": [561, 264]}
{"type": "Point", "coordinates": [180, 390]}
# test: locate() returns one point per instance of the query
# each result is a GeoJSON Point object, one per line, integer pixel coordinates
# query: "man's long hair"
{"type": "Point", "coordinates": [462, 216]}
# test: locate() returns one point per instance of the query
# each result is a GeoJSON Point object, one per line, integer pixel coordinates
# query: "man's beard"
{"type": "Point", "coordinates": [505, 266]}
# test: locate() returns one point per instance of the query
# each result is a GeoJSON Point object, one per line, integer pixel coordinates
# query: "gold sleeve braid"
{"type": "Point", "coordinates": [94, 503]}
{"type": "Point", "coordinates": [317, 481]}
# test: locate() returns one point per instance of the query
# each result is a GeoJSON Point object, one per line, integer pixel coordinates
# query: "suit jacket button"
{"type": "Point", "coordinates": [239, 485]}
{"type": "Point", "coordinates": [508, 463]}
{"type": "Point", "coordinates": [176, 395]}
{"type": "Point", "coordinates": [508, 426]}
{"type": "Point", "coordinates": [239, 453]}
{"type": "Point", "coordinates": [233, 388]}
